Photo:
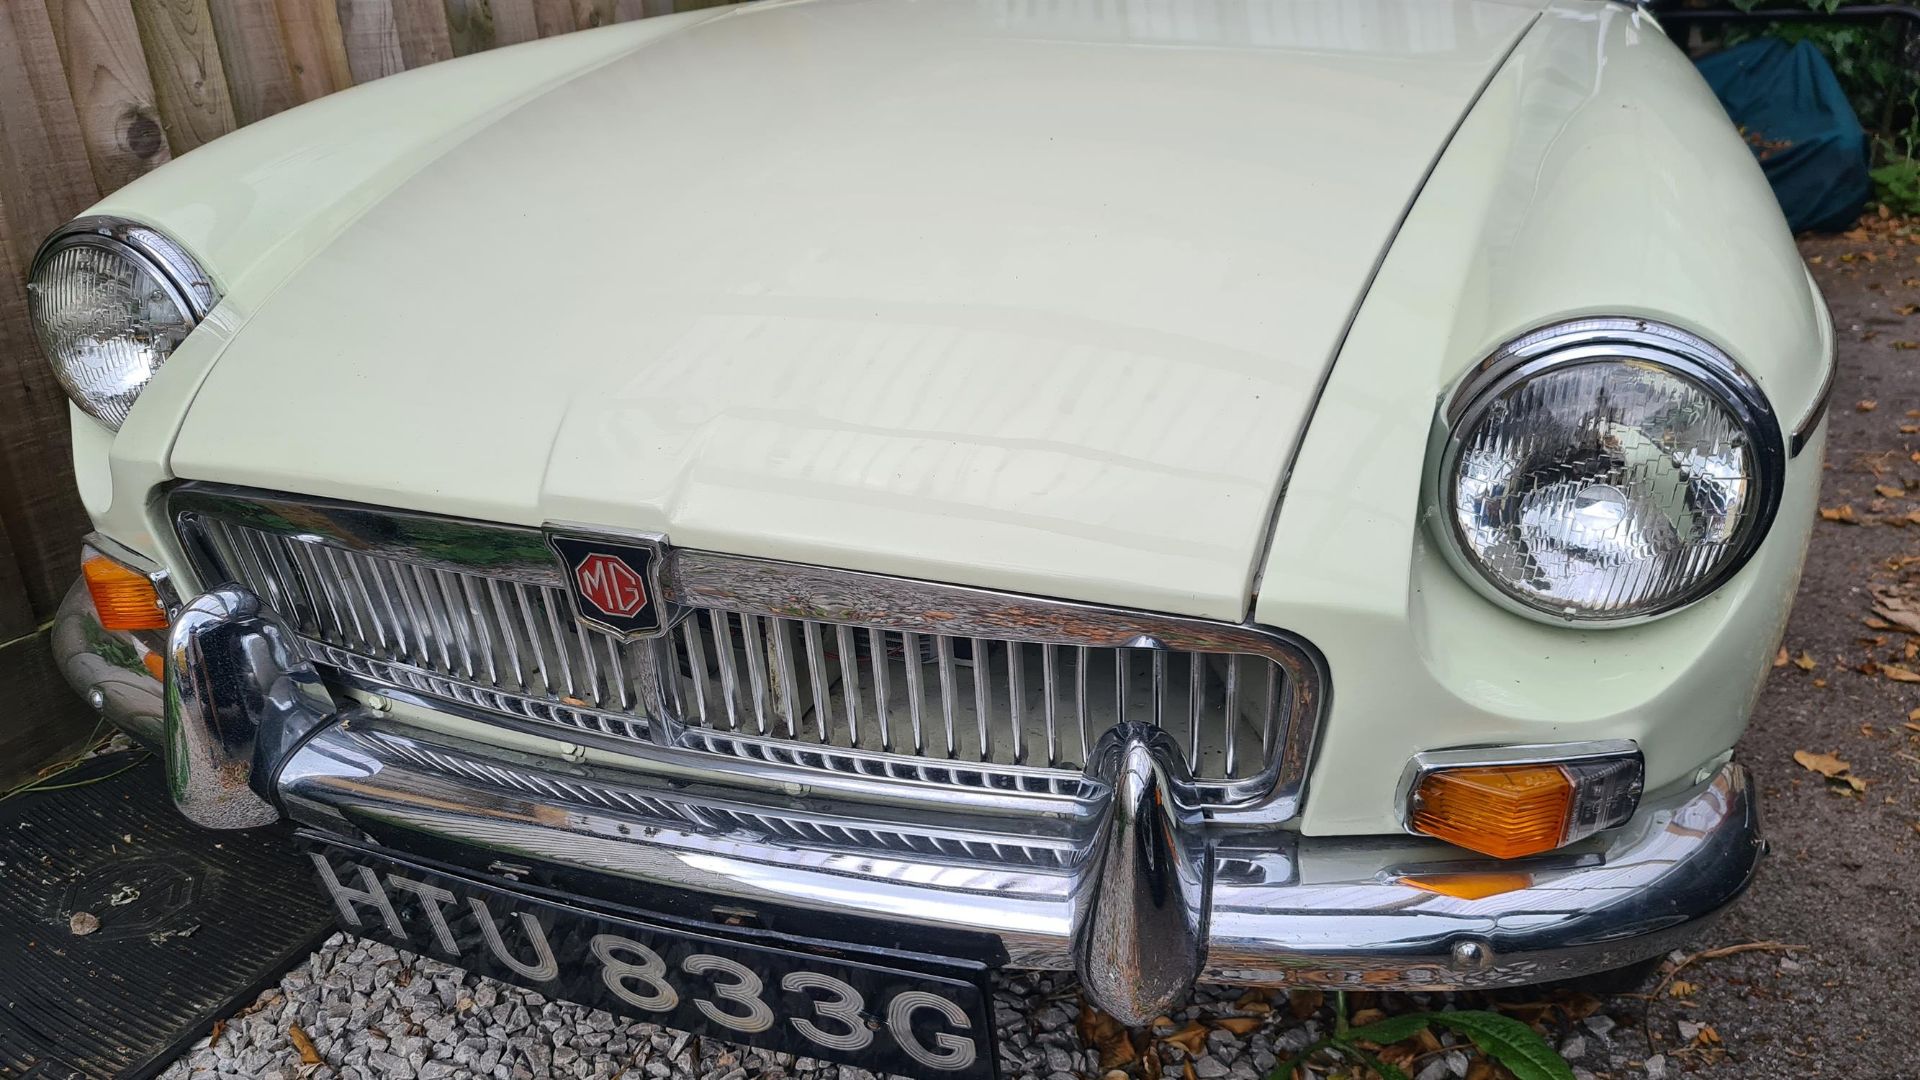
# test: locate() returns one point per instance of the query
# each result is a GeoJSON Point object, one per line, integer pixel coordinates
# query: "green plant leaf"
{"type": "Point", "coordinates": [1509, 1042]}
{"type": "Point", "coordinates": [1392, 1029]}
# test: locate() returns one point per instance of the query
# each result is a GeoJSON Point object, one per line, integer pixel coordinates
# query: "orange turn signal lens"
{"type": "Point", "coordinates": [125, 599]}
{"type": "Point", "coordinates": [1501, 810]}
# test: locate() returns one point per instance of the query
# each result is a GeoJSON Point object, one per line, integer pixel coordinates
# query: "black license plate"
{"type": "Point", "coordinates": [911, 1021]}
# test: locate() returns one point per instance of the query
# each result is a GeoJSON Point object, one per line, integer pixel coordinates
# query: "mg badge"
{"type": "Point", "coordinates": [615, 583]}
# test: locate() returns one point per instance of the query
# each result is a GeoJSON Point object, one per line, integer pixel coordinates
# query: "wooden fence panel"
{"type": "Point", "coordinates": [423, 31]}
{"type": "Point", "coordinates": [554, 17]}
{"type": "Point", "coordinates": [189, 81]}
{"type": "Point", "coordinates": [372, 39]}
{"type": "Point", "coordinates": [112, 89]}
{"type": "Point", "coordinates": [588, 14]}
{"type": "Point", "coordinates": [45, 179]}
{"type": "Point", "coordinates": [470, 26]}
{"type": "Point", "coordinates": [514, 21]}
{"type": "Point", "coordinates": [254, 53]}
{"type": "Point", "coordinates": [316, 49]}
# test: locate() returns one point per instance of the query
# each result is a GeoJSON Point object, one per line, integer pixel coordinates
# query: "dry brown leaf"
{"type": "Point", "coordinates": [1827, 765]}
{"type": "Point", "coordinates": [1239, 1025]}
{"type": "Point", "coordinates": [213, 1037]}
{"type": "Point", "coordinates": [1780, 658]}
{"type": "Point", "coordinates": [1819, 684]}
{"type": "Point", "coordinates": [1889, 491]}
{"type": "Point", "coordinates": [1681, 988]}
{"type": "Point", "coordinates": [1876, 623]}
{"type": "Point", "coordinates": [1899, 674]}
{"type": "Point", "coordinates": [1367, 1016]}
{"type": "Point", "coordinates": [1481, 1069]}
{"type": "Point", "coordinates": [1906, 309]}
{"type": "Point", "coordinates": [1910, 429]}
{"type": "Point", "coordinates": [1108, 1036]}
{"type": "Point", "coordinates": [1804, 661]}
{"type": "Point", "coordinates": [1304, 1002]}
{"type": "Point", "coordinates": [1838, 513]}
{"type": "Point", "coordinates": [1187, 1071]}
{"type": "Point", "coordinates": [1190, 1038]}
{"type": "Point", "coordinates": [309, 1055]}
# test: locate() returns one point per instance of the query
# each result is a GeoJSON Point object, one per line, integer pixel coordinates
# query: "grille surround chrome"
{"type": "Point", "coordinates": [446, 556]}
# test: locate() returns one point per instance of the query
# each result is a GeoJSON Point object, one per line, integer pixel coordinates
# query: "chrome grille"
{"type": "Point", "coordinates": [968, 699]}
{"type": "Point", "coordinates": [799, 667]}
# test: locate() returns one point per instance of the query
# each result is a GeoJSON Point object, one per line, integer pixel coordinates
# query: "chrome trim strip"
{"type": "Point", "coordinates": [1803, 431]}
{"type": "Point", "coordinates": [1282, 909]}
{"type": "Point", "coordinates": [192, 287]}
{"type": "Point", "coordinates": [763, 588]}
{"type": "Point", "coordinates": [1590, 340]}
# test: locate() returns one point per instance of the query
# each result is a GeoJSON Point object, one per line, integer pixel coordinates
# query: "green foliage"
{"type": "Point", "coordinates": [1504, 1039]}
{"type": "Point", "coordinates": [1866, 56]}
{"type": "Point", "coordinates": [1897, 184]}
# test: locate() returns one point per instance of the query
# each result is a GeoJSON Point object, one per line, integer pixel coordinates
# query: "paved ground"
{"type": "Point", "coordinates": [1843, 886]}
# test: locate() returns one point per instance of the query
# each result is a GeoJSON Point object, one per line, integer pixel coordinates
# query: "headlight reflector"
{"type": "Point", "coordinates": [1607, 470]}
{"type": "Point", "coordinates": [110, 301]}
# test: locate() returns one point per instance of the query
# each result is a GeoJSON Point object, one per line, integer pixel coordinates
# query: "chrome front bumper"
{"type": "Point", "coordinates": [1146, 898]}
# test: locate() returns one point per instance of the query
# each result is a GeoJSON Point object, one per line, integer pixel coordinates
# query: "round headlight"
{"type": "Point", "coordinates": [1606, 471]}
{"type": "Point", "coordinates": [111, 300]}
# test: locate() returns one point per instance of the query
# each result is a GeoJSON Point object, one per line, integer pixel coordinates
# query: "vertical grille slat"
{"type": "Point", "coordinates": [883, 702]}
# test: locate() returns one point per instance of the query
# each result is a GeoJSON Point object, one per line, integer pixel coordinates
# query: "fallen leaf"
{"type": "Point", "coordinates": [1780, 658]}
{"type": "Point", "coordinates": [1906, 309]}
{"type": "Point", "coordinates": [1681, 988]}
{"type": "Point", "coordinates": [1108, 1036]}
{"type": "Point", "coordinates": [1819, 684]}
{"type": "Point", "coordinates": [1837, 513]}
{"type": "Point", "coordinates": [83, 923]}
{"type": "Point", "coordinates": [1910, 429]}
{"type": "Point", "coordinates": [1239, 1025]}
{"type": "Point", "coordinates": [1804, 661]}
{"type": "Point", "coordinates": [1367, 1016]}
{"type": "Point", "coordinates": [1889, 491]}
{"type": "Point", "coordinates": [1304, 1002]}
{"type": "Point", "coordinates": [1831, 767]}
{"type": "Point", "coordinates": [1866, 729]}
{"type": "Point", "coordinates": [1827, 765]}
{"type": "Point", "coordinates": [1869, 405]}
{"type": "Point", "coordinates": [1875, 623]}
{"type": "Point", "coordinates": [1190, 1038]}
{"type": "Point", "coordinates": [213, 1037]}
{"type": "Point", "coordinates": [1187, 1071]}
{"type": "Point", "coordinates": [1899, 674]}
{"type": "Point", "coordinates": [308, 1054]}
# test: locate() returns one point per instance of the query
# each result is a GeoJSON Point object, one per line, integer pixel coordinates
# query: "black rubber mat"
{"type": "Point", "coordinates": [192, 924]}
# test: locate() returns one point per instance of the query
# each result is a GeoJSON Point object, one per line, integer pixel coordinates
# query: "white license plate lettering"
{"type": "Point", "coordinates": [882, 1017]}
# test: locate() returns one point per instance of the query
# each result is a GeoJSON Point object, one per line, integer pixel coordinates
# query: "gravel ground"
{"type": "Point", "coordinates": [1843, 886]}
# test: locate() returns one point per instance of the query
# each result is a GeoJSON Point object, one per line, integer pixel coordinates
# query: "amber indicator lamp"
{"type": "Point", "coordinates": [124, 598]}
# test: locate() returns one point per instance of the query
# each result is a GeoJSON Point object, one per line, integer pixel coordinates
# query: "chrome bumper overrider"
{"type": "Point", "coordinates": [1139, 895]}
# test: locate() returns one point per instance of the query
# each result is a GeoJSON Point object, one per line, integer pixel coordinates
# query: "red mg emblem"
{"type": "Point", "coordinates": [611, 585]}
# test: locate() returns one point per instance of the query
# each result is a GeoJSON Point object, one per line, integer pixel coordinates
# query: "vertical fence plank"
{"type": "Point", "coordinates": [45, 178]}
{"type": "Point", "coordinates": [255, 57]}
{"type": "Point", "coordinates": [423, 31]}
{"type": "Point", "coordinates": [189, 82]}
{"type": "Point", "coordinates": [470, 26]}
{"type": "Point", "coordinates": [588, 14]}
{"type": "Point", "coordinates": [629, 10]}
{"type": "Point", "coordinates": [112, 91]}
{"type": "Point", "coordinates": [514, 22]}
{"type": "Point", "coordinates": [316, 49]}
{"type": "Point", "coordinates": [554, 17]}
{"type": "Point", "coordinates": [372, 39]}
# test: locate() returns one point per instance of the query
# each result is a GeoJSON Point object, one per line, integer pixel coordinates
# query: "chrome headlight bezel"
{"type": "Point", "coordinates": [186, 284]}
{"type": "Point", "coordinates": [1600, 340]}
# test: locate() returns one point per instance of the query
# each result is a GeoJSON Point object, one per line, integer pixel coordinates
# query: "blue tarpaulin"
{"type": "Point", "coordinates": [1800, 125]}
